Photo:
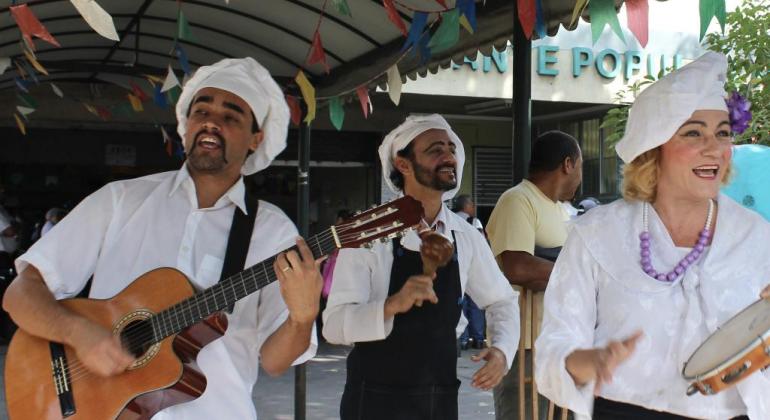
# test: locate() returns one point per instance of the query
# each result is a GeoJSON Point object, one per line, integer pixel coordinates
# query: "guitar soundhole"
{"type": "Point", "coordinates": [137, 337]}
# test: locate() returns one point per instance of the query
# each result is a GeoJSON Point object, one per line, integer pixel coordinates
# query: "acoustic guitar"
{"type": "Point", "coordinates": [164, 330]}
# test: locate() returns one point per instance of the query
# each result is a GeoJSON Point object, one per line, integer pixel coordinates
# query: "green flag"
{"type": "Point", "coordinates": [336, 112]}
{"type": "Point", "coordinates": [709, 9]}
{"type": "Point", "coordinates": [184, 31]}
{"type": "Point", "coordinates": [603, 13]}
{"type": "Point", "coordinates": [448, 33]}
{"type": "Point", "coordinates": [27, 100]}
{"type": "Point", "coordinates": [342, 7]}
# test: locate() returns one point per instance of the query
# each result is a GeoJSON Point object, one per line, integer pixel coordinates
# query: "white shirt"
{"type": "Point", "coordinates": [355, 309]}
{"type": "Point", "coordinates": [130, 227]}
{"type": "Point", "coordinates": [598, 292]}
{"type": "Point", "coordinates": [475, 221]}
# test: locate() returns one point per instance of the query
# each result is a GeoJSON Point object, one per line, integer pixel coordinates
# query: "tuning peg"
{"type": "Point", "coordinates": [357, 212]}
{"type": "Point", "coordinates": [373, 206]}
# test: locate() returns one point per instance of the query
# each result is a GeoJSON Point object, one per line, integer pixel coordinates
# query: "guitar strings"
{"type": "Point", "coordinates": [77, 370]}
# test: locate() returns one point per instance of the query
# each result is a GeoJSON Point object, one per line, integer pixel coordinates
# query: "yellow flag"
{"type": "Point", "coordinates": [153, 79]}
{"type": "Point", "coordinates": [465, 24]}
{"type": "Point", "coordinates": [308, 94]}
{"type": "Point", "coordinates": [20, 123]}
{"type": "Point", "coordinates": [580, 5]}
{"type": "Point", "coordinates": [36, 64]}
{"type": "Point", "coordinates": [136, 104]}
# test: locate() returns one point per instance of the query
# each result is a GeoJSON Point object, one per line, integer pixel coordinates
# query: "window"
{"type": "Point", "coordinates": [493, 174]}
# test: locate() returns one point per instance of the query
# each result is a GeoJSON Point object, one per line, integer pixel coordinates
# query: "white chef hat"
{"type": "Point", "coordinates": [402, 135]}
{"type": "Point", "coordinates": [246, 78]}
{"type": "Point", "coordinates": [659, 111]}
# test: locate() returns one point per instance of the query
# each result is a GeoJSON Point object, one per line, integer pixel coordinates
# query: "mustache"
{"type": "Point", "coordinates": [213, 134]}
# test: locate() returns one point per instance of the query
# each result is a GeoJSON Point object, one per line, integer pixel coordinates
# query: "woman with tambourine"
{"type": "Point", "coordinates": [642, 282]}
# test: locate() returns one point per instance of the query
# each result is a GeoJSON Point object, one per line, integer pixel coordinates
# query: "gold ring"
{"type": "Point", "coordinates": [286, 269]}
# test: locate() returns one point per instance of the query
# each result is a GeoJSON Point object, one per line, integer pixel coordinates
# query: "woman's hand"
{"type": "Point", "coordinates": [599, 364]}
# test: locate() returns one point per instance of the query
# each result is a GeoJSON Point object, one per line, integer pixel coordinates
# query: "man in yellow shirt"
{"type": "Point", "coordinates": [526, 230]}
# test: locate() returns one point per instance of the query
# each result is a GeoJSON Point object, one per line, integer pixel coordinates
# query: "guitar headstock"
{"type": "Point", "coordinates": [385, 222]}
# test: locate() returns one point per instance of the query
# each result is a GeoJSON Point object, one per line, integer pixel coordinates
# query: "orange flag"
{"type": "Point", "coordinates": [30, 26]}
{"type": "Point", "coordinates": [394, 17]}
{"type": "Point", "coordinates": [363, 97]}
{"type": "Point", "coordinates": [296, 111]}
{"type": "Point", "coordinates": [317, 54]}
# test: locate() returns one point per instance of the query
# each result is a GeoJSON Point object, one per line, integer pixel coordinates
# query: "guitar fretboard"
{"type": "Point", "coordinates": [228, 291]}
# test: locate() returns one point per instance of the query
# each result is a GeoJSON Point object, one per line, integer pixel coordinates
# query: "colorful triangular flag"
{"type": "Point", "coordinates": [394, 84]}
{"type": "Point", "coordinates": [539, 20]}
{"type": "Point", "coordinates": [468, 14]}
{"type": "Point", "coordinates": [415, 31]}
{"type": "Point", "coordinates": [138, 92]}
{"type": "Point", "coordinates": [159, 97]}
{"type": "Point", "coordinates": [580, 5]}
{"type": "Point", "coordinates": [527, 16]}
{"type": "Point", "coordinates": [30, 26]}
{"type": "Point", "coordinates": [342, 7]}
{"type": "Point", "coordinates": [24, 111]}
{"type": "Point", "coordinates": [97, 18]}
{"type": "Point", "coordinates": [136, 104]}
{"type": "Point", "coordinates": [170, 81]}
{"type": "Point", "coordinates": [366, 102]}
{"type": "Point", "coordinates": [603, 13]}
{"type": "Point", "coordinates": [36, 64]}
{"type": "Point", "coordinates": [183, 31]}
{"type": "Point", "coordinates": [22, 84]}
{"type": "Point", "coordinates": [336, 112]}
{"type": "Point", "coordinates": [27, 100]}
{"type": "Point", "coordinates": [317, 54]}
{"type": "Point", "coordinates": [709, 9]}
{"type": "Point", "coordinates": [390, 8]}
{"type": "Point", "coordinates": [182, 56]}
{"type": "Point", "coordinates": [294, 109]}
{"type": "Point", "coordinates": [637, 12]}
{"type": "Point", "coordinates": [57, 91]}
{"type": "Point", "coordinates": [308, 94]}
{"type": "Point", "coordinates": [20, 124]}
{"type": "Point", "coordinates": [447, 34]}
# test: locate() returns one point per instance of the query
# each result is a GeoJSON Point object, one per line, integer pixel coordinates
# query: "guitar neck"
{"type": "Point", "coordinates": [228, 291]}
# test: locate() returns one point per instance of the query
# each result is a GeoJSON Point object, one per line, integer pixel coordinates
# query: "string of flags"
{"type": "Point", "coordinates": [429, 32]}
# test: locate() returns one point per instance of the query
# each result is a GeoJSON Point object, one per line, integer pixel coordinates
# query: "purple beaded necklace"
{"type": "Point", "coordinates": [689, 259]}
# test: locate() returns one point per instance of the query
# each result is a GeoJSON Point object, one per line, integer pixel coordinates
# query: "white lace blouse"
{"type": "Point", "coordinates": [598, 292]}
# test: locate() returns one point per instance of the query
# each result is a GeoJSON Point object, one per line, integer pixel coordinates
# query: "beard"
{"type": "Point", "coordinates": [432, 179]}
{"type": "Point", "coordinates": [203, 161]}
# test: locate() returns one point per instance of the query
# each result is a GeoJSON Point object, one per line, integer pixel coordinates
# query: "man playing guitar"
{"type": "Point", "coordinates": [233, 119]}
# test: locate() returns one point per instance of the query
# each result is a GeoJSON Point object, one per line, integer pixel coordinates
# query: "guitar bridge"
{"type": "Point", "coordinates": [61, 379]}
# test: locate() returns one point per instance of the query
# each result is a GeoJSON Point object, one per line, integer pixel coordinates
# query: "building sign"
{"type": "Point", "coordinates": [608, 63]}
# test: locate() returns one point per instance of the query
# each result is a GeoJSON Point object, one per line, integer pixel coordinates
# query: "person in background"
{"type": "Point", "coordinates": [473, 334]}
{"type": "Point", "coordinates": [52, 217]}
{"type": "Point", "coordinates": [526, 230]}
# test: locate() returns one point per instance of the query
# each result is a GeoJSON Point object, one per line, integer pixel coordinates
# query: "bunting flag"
{"type": "Point", "coordinates": [317, 54]}
{"type": "Point", "coordinates": [36, 64]}
{"type": "Point", "coordinates": [182, 56]}
{"type": "Point", "coordinates": [539, 20]}
{"type": "Point", "coordinates": [173, 94]}
{"type": "Point", "coordinates": [167, 141]}
{"type": "Point", "coordinates": [294, 109]}
{"type": "Point", "coordinates": [98, 19]}
{"type": "Point", "coordinates": [30, 26]}
{"type": "Point", "coordinates": [30, 72]}
{"type": "Point", "coordinates": [708, 10]}
{"type": "Point", "coordinates": [5, 62]}
{"type": "Point", "coordinates": [183, 30]}
{"type": "Point", "coordinates": [336, 112]}
{"type": "Point", "coordinates": [447, 34]}
{"type": "Point", "coordinates": [415, 31]}
{"type": "Point", "coordinates": [24, 111]}
{"type": "Point", "coordinates": [603, 13]}
{"type": "Point", "coordinates": [170, 81]}
{"type": "Point", "coordinates": [308, 94]}
{"type": "Point", "coordinates": [468, 14]}
{"type": "Point", "coordinates": [27, 100]}
{"type": "Point", "coordinates": [91, 109]}
{"type": "Point", "coordinates": [442, 3]}
{"type": "Point", "coordinates": [20, 124]}
{"type": "Point", "coordinates": [22, 84]}
{"type": "Point", "coordinates": [57, 91]}
{"type": "Point", "coordinates": [390, 8]}
{"type": "Point", "coordinates": [138, 92]}
{"type": "Point", "coordinates": [394, 84]}
{"type": "Point", "coordinates": [159, 97]}
{"type": "Point", "coordinates": [20, 69]}
{"type": "Point", "coordinates": [153, 79]}
{"type": "Point", "coordinates": [638, 14]}
{"type": "Point", "coordinates": [366, 102]}
{"type": "Point", "coordinates": [103, 113]}
{"type": "Point", "coordinates": [342, 7]}
{"type": "Point", "coordinates": [136, 104]}
{"type": "Point", "coordinates": [527, 15]}
{"type": "Point", "coordinates": [580, 5]}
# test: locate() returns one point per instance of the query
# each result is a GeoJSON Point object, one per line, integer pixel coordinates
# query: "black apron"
{"type": "Point", "coordinates": [411, 374]}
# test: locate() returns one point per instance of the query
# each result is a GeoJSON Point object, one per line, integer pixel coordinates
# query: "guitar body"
{"type": "Point", "coordinates": [163, 376]}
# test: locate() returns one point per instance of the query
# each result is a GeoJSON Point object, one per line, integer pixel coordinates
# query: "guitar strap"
{"type": "Point", "coordinates": [240, 236]}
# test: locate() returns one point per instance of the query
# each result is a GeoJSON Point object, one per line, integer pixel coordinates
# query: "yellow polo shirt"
{"type": "Point", "coordinates": [523, 218]}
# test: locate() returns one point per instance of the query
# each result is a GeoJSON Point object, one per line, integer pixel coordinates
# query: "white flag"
{"type": "Point", "coordinates": [394, 84]}
{"type": "Point", "coordinates": [5, 62]}
{"type": "Point", "coordinates": [97, 18]}
{"type": "Point", "coordinates": [57, 91]}
{"type": "Point", "coordinates": [170, 81]}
